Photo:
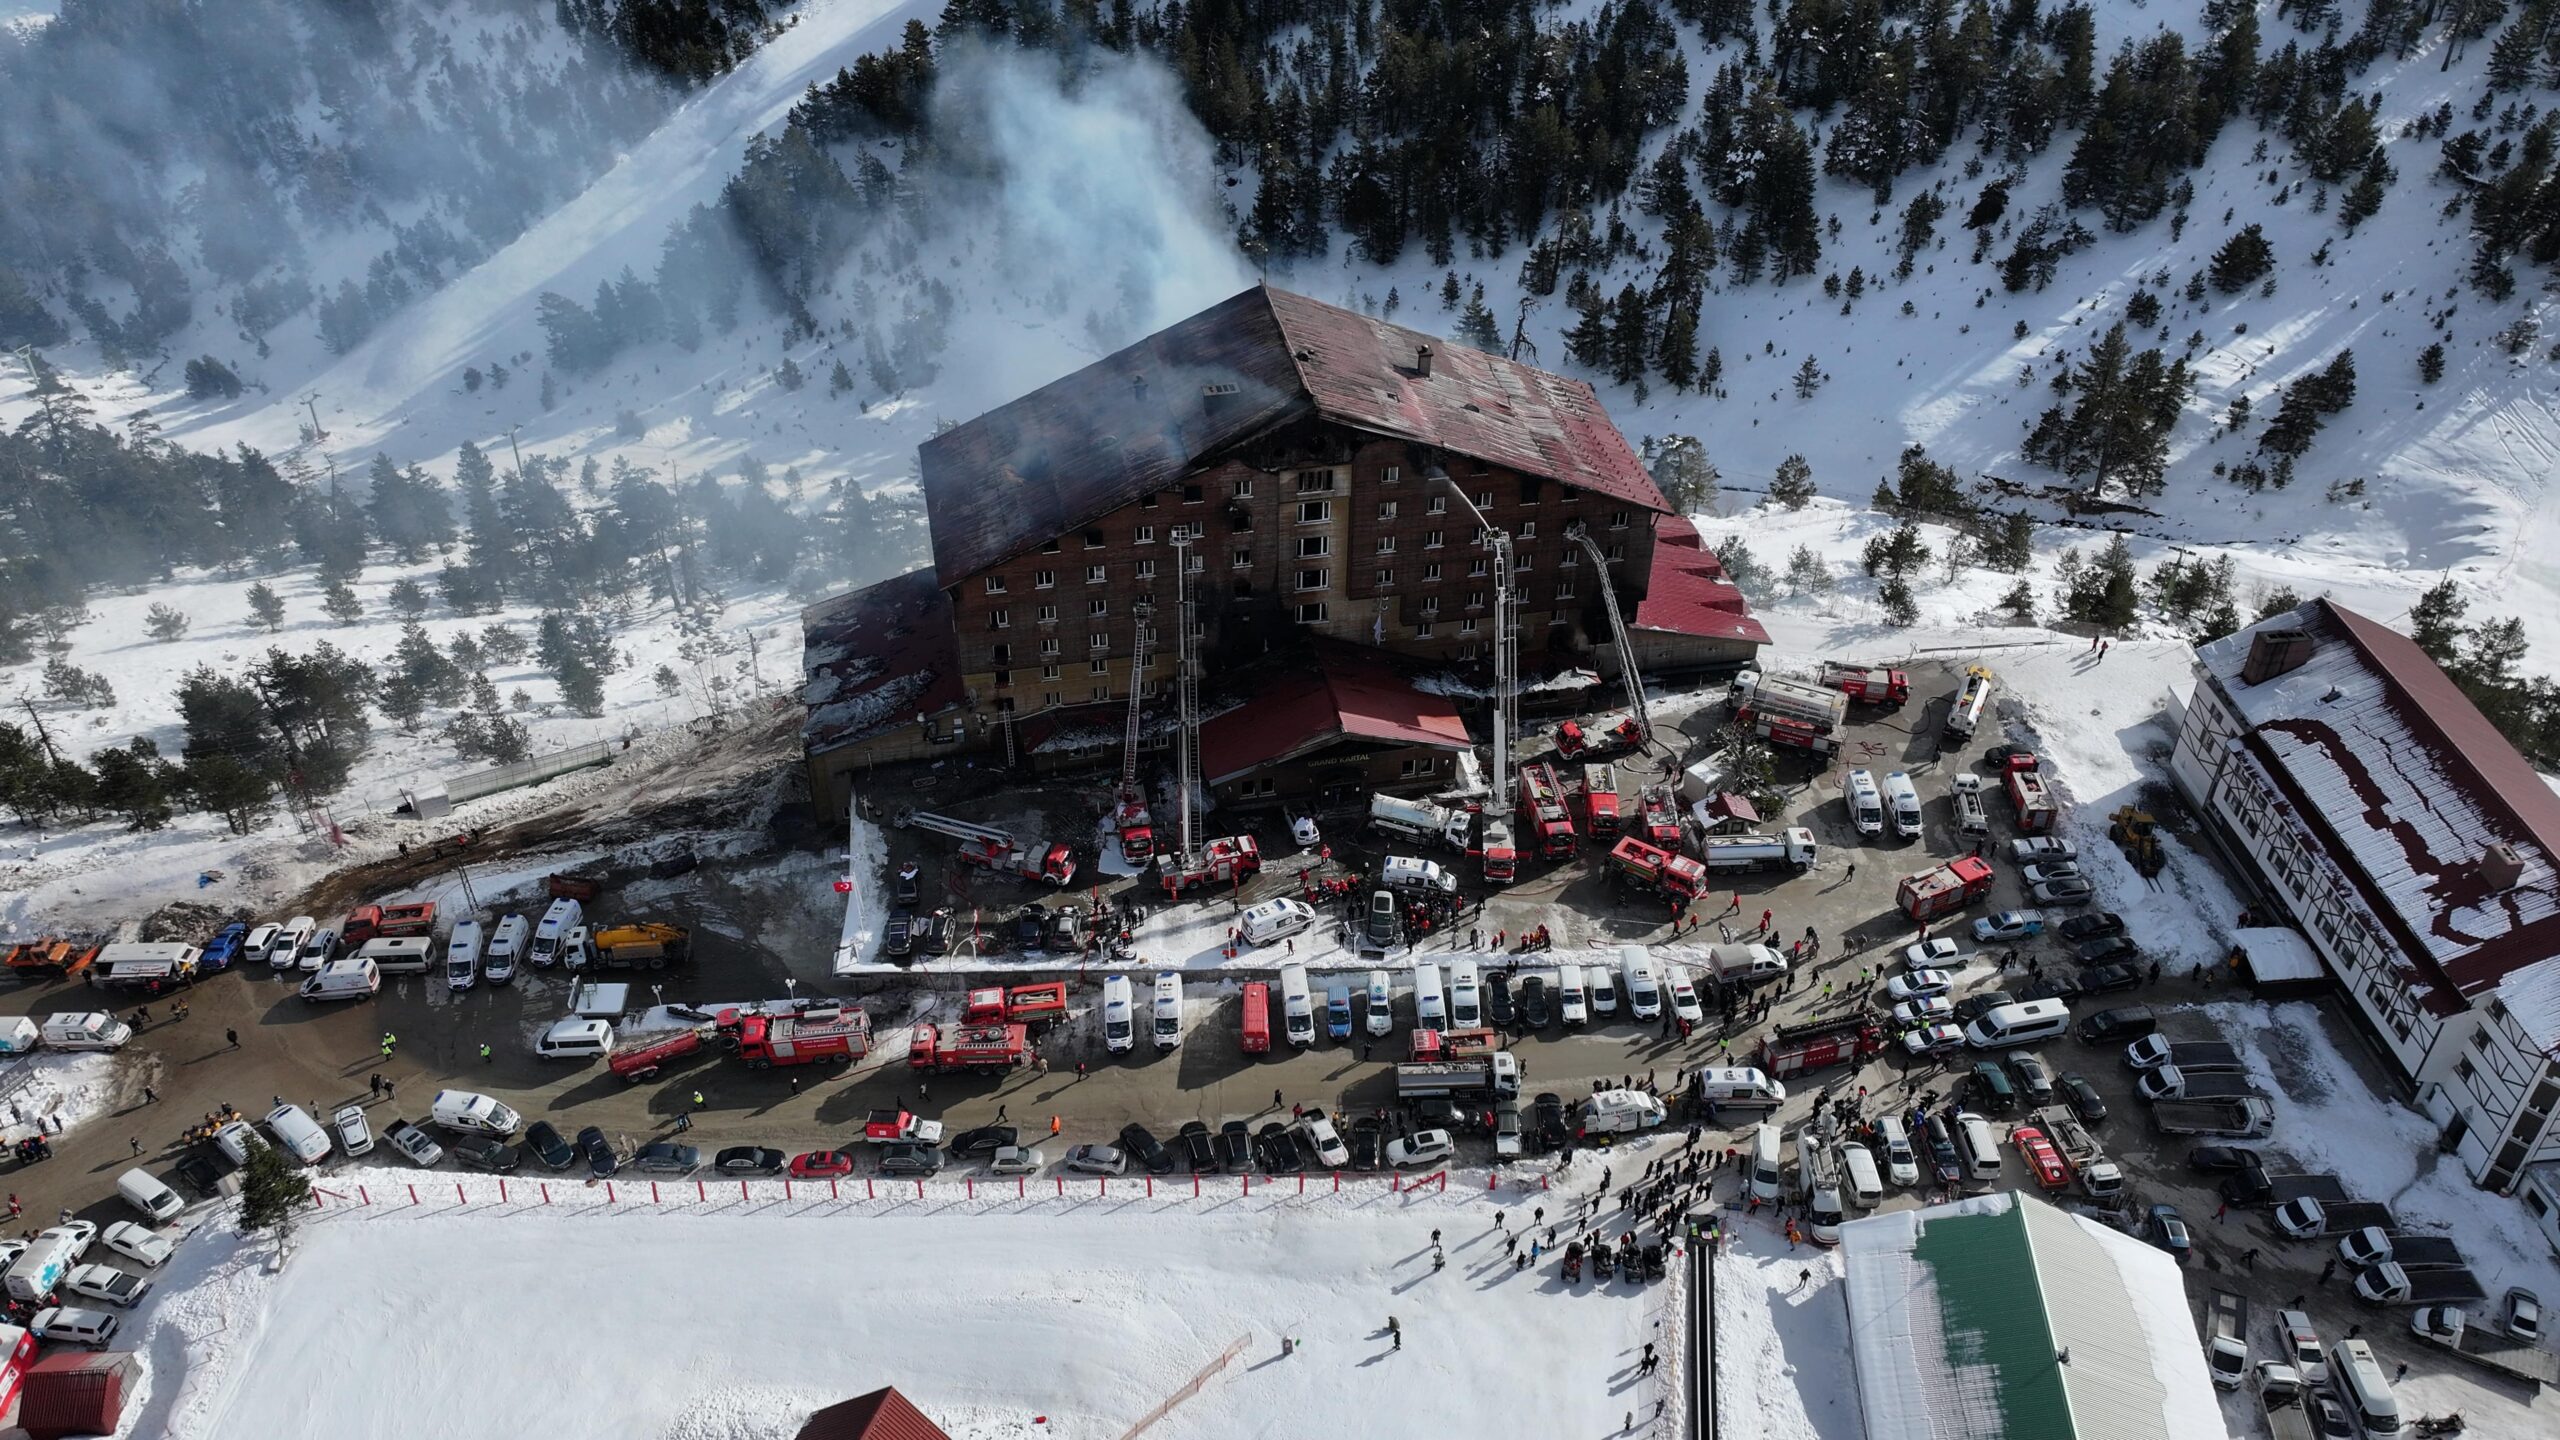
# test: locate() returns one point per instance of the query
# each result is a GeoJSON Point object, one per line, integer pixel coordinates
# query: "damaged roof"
{"type": "Point", "coordinates": [1140, 419]}
{"type": "Point", "coordinates": [1344, 691]}
{"type": "Point", "coordinates": [1687, 592]}
{"type": "Point", "coordinates": [2385, 755]}
{"type": "Point", "coordinates": [875, 659]}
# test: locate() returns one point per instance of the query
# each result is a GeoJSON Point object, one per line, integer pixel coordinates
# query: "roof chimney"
{"type": "Point", "coordinates": [1422, 362]}
{"type": "Point", "coordinates": [2500, 869]}
{"type": "Point", "coordinates": [2273, 653]}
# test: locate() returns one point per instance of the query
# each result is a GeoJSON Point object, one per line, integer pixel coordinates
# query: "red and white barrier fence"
{"type": "Point", "coordinates": [469, 1192]}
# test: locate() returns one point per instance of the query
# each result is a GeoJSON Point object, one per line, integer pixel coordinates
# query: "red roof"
{"type": "Point", "coordinates": [1140, 419]}
{"type": "Point", "coordinates": [1687, 593]}
{"type": "Point", "coordinates": [877, 658]}
{"type": "Point", "coordinates": [1346, 692]}
{"type": "Point", "coordinates": [884, 1414]}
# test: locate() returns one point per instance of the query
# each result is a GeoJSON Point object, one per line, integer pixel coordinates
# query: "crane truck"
{"type": "Point", "coordinates": [989, 848]}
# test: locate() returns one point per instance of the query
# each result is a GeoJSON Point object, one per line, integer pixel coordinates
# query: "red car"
{"type": "Point", "coordinates": [821, 1165]}
{"type": "Point", "coordinates": [2041, 1157]}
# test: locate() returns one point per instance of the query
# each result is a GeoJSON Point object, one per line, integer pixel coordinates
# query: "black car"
{"type": "Point", "coordinates": [1942, 1150]}
{"type": "Point", "coordinates": [933, 933]}
{"type": "Point", "coordinates": [2093, 926]}
{"type": "Point", "coordinates": [2112, 950]}
{"type": "Point", "coordinates": [749, 1160]}
{"type": "Point", "coordinates": [494, 1156]}
{"type": "Point", "coordinates": [2125, 1022]}
{"type": "Point", "coordinates": [2220, 1159]}
{"type": "Point", "coordinates": [1198, 1146]}
{"type": "Point", "coordinates": [1497, 1001]}
{"type": "Point", "coordinates": [2328, 1417]}
{"type": "Point", "coordinates": [1546, 1120]}
{"type": "Point", "coordinates": [543, 1143]}
{"type": "Point", "coordinates": [900, 938]}
{"type": "Point", "coordinates": [666, 1157]}
{"type": "Point", "coordinates": [2033, 1077]}
{"type": "Point", "coordinates": [1436, 1112]}
{"type": "Point", "coordinates": [910, 1157]}
{"type": "Point", "coordinates": [1367, 1138]}
{"type": "Point", "coordinates": [1235, 1147]}
{"type": "Point", "coordinates": [203, 1172]}
{"type": "Point", "coordinates": [1971, 1007]}
{"type": "Point", "coordinates": [985, 1140]}
{"type": "Point", "coordinates": [1276, 1151]}
{"type": "Point", "coordinates": [2248, 1185]}
{"type": "Point", "coordinates": [2082, 1097]}
{"type": "Point", "coordinates": [1029, 926]}
{"type": "Point", "coordinates": [1535, 1012]}
{"type": "Point", "coordinates": [2103, 979]}
{"type": "Point", "coordinates": [601, 1161]}
{"type": "Point", "coordinates": [2052, 987]}
{"type": "Point", "coordinates": [1146, 1149]}
{"type": "Point", "coordinates": [908, 887]}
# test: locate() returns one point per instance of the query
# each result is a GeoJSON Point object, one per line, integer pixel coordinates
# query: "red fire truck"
{"type": "Point", "coordinates": [840, 1036]}
{"type": "Point", "coordinates": [1257, 1018]}
{"type": "Point", "coordinates": [1942, 888]}
{"type": "Point", "coordinates": [1816, 1044]}
{"type": "Point", "coordinates": [1664, 872]}
{"type": "Point", "coordinates": [1022, 1005]}
{"type": "Point", "coordinates": [1230, 860]}
{"type": "Point", "coordinates": [2037, 809]}
{"type": "Point", "coordinates": [1542, 806]}
{"type": "Point", "coordinates": [1868, 684]}
{"type": "Point", "coordinates": [1613, 735]}
{"type": "Point", "coordinates": [932, 1050]}
{"type": "Point", "coordinates": [1661, 817]}
{"type": "Point", "coordinates": [1599, 801]}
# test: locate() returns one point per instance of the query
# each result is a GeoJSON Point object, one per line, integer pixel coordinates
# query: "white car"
{"type": "Point", "coordinates": [1684, 1001]}
{"type": "Point", "coordinates": [81, 1233]}
{"type": "Point", "coordinates": [1927, 1010]}
{"type": "Point", "coordinates": [297, 933]}
{"type": "Point", "coordinates": [261, 944]}
{"type": "Point", "coordinates": [1939, 1039]}
{"type": "Point", "coordinates": [1328, 1141]}
{"type": "Point", "coordinates": [1422, 1147]}
{"type": "Point", "coordinates": [2008, 925]}
{"type": "Point", "coordinates": [1901, 1163]}
{"type": "Point", "coordinates": [64, 1325]}
{"type": "Point", "coordinates": [415, 1145]}
{"type": "Point", "coordinates": [1015, 1160]}
{"type": "Point", "coordinates": [1941, 953]}
{"type": "Point", "coordinates": [10, 1250]}
{"type": "Point", "coordinates": [355, 1135]}
{"type": "Point", "coordinates": [322, 949]}
{"type": "Point", "coordinates": [1306, 832]}
{"type": "Point", "coordinates": [1919, 984]}
{"type": "Point", "coordinates": [2050, 872]}
{"type": "Point", "coordinates": [2042, 850]}
{"type": "Point", "coordinates": [137, 1243]}
{"type": "Point", "coordinates": [106, 1282]}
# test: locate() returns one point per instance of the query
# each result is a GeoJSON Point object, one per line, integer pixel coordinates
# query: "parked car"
{"type": "Point", "coordinates": [1368, 1142]}
{"type": "Point", "coordinates": [1097, 1160]}
{"type": "Point", "coordinates": [2050, 872]}
{"type": "Point", "coordinates": [602, 1163]}
{"type": "Point", "coordinates": [821, 1165]}
{"type": "Point", "coordinates": [2082, 1097]}
{"type": "Point", "coordinates": [2108, 950]}
{"type": "Point", "coordinates": [1927, 1010]}
{"type": "Point", "coordinates": [2093, 926]}
{"type": "Point", "coordinates": [1535, 1012]}
{"type": "Point", "coordinates": [2042, 850]}
{"type": "Point", "coordinates": [1235, 1147]}
{"type": "Point", "coordinates": [1422, 1147]}
{"type": "Point", "coordinates": [66, 1325]}
{"type": "Point", "coordinates": [1029, 926]}
{"type": "Point", "coordinates": [1919, 984]}
{"type": "Point", "coordinates": [2328, 1417]}
{"type": "Point", "coordinates": [910, 1157]}
{"type": "Point", "coordinates": [2163, 1227]}
{"type": "Point", "coordinates": [1937, 1039]}
{"type": "Point", "coordinates": [749, 1160]}
{"type": "Point", "coordinates": [1971, 1007]}
{"type": "Point", "coordinates": [2008, 925]}
{"type": "Point", "coordinates": [1015, 1160]}
{"type": "Point", "coordinates": [1277, 1152]}
{"type": "Point", "coordinates": [1546, 1121]}
{"type": "Point", "coordinates": [1509, 1136]}
{"type": "Point", "coordinates": [139, 1243]}
{"type": "Point", "coordinates": [1937, 953]}
{"type": "Point", "coordinates": [106, 1282]}
{"type": "Point", "coordinates": [1436, 1112]}
{"type": "Point", "coordinates": [543, 1143]}
{"type": "Point", "coordinates": [2524, 1315]}
{"type": "Point", "coordinates": [1316, 1133]}
{"type": "Point", "coordinates": [1498, 1010]}
{"type": "Point", "coordinates": [2054, 986]}
{"type": "Point", "coordinates": [1199, 1146]}
{"type": "Point", "coordinates": [415, 1145]}
{"type": "Point", "coordinates": [2033, 1076]}
{"type": "Point", "coordinates": [2063, 892]}
{"type": "Point", "coordinates": [666, 1157]}
{"type": "Point", "coordinates": [985, 1140]}
{"type": "Point", "coordinates": [486, 1153]}
{"type": "Point", "coordinates": [1149, 1151]}
{"type": "Point", "coordinates": [2106, 979]}
{"type": "Point", "coordinates": [2220, 1159]}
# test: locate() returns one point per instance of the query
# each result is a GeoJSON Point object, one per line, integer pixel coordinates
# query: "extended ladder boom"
{"type": "Point", "coordinates": [1617, 632]}
{"type": "Point", "coordinates": [945, 825]}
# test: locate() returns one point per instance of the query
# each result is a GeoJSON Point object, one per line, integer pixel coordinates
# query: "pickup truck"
{"type": "Point", "coordinates": [2389, 1284]}
{"type": "Point", "coordinates": [2309, 1219]}
{"type": "Point", "coordinates": [2169, 1082]}
{"type": "Point", "coordinates": [2099, 1177]}
{"type": "Point", "coordinates": [2226, 1350]}
{"type": "Point", "coordinates": [2361, 1248]}
{"type": "Point", "coordinates": [2482, 1343]}
{"type": "Point", "coordinates": [881, 1127]}
{"type": "Point", "coordinates": [2198, 1057]}
{"type": "Point", "coordinates": [2251, 1185]}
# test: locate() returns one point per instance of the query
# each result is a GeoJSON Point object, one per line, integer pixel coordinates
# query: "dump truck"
{"type": "Point", "coordinates": [1942, 888]}
{"type": "Point", "coordinates": [1868, 684]}
{"type": "Point", "coordinates": [2310, 1219]}
{"type": "Point", "coordinates": [839, 1036]}
{"type": "Point", "coordinates": [2478, 1339]}
{"type": "Point", "coordinates": [1429, 1044]}
{"type": "Point", "coordinates": [1599, 797]}
{"type": "Point", "coordinates": [1420, 820]}
{"type": "Point", "coordinates": [638, 1057]}
{"type": "Point", "coordinates": [1604, 737]}
{"type": "Point", "coordinates": [1637, 865]}
{"type": "Point", "coordinates": [53, 955]}
{"type": "Point", "coordinates": [1493, 1074]}
{"type": "Point", "coordinates": [989, 848]}
{"type": "Point", "coordinates": [2237, 1119]}
{"type": "Point", "coordinates": [648, 945]}
{"type": "Point", "coordinates": [2100, 1178]}
{"type": "Point", "coordinates": [1819, 1044]}
{"type": "Point", "coordinates": [1790, 849]}
{"type": "Point", "coordinates": [932, 1050]}
{"type": "Point", "coordinates": [387, 922]}
{"type": "Point", "coordinates": [2391, 1283]}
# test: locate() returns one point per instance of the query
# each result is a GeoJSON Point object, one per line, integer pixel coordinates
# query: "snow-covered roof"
{"type": "Point", "coordinates": [1962, 1316]}
{"type": "Point", "coordinates": [2409, 786]}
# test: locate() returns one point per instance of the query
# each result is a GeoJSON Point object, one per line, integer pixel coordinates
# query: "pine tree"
{"type": "Point", "coordinates": [409, 598]}
{"type": "Point", "coordinates": [788, 376]}
{"type": "Point", "coordinates": [839, 380]}
{"type": "Point", "coordinates": [338, 601]}
{"type": "Point", "coordinates": [136, 783]}
{"type": "Point", "coordinates": [2020, 603]}
{"type": "Point", "coordinates": [165, 622]}
{"type": "Point", "coordinates": [2435, 622]}
{"type": "Point", "coordinates": [1808, 378]}
{"type": "Point", "coordinates": [1806, 574]}
{"type": "Point", "coordinates": [266, 607]}
{"type": "Point", "coordinates": [667, 682]}
{"type": "Point", "coordinates": [2242, 261]}
{"type": "Point", "coordinates": [1476, 326]}
{"type": "Point", "coordinates": [273, 1193]}
{"type": "Point", "coordinates": [1793, 485]}
{"type": "Point", "coordinates": [1901, 609]}
{"type": "Point", "coordinates": [2431, 363]}
{"type": "Point", "coordinates": [1627, 337]}
{"type": "Point", "coordinates": [223, 786]}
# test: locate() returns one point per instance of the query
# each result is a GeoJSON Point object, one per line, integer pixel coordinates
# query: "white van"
{"type": "Point", "coordinates": [1297, 1007]}
{"type": "Point", "coordinates": [157, 1202]}
{"type": "Point", "coordinates": [1119, 1015]}
{"type": "Point", "coordinates": [505, 950]}
{"type": "Point", "coordinates": [1644, 993]}
{"type": "Point", "coordinates": [2363, 1389]}
{"type": "Point", "coordinates": [1168, 1029]}
{"type": "Point", "coordinates": [1382, 1005]}
{"type": "Point", "coordinates": [462, 956]}
{"type": "Point", "coordinates": [1768, 1175]}
{"type": "Point", "coordinates": [261, 944]}
{"type": "Point", "coordinates": [2022, 1022]}
{"type": "Point", "coordinates": [575, 951]}
{"type": "Point", "coordinates": [475, 1114]}
{"type": "Point", "coordinates": [1604, 990]}
{"type": "Point", "coordinates": [579, 1037]}
{"type": "Point", "coordinates": [1430, 1011]}
{"type": "Point", "coordinates": [299, 1134]}
{"type": "Point", "coordinates": [1858, 1168]}
{"type": "Point", "coordinates": [1466, 996]}
{"type": "Point", "coordinates": [1980, 1148]}
{"type": "Point", "coordinates": [92, 1030]}
{"type": "Point", "coordinates": [354, 978]}
{"type": "Point", "coordinates": [1276, 919]}
{"type": "Point", "coordinates": [1866, 805]}
{"type": "Point", "coordinates": [400, 955]}
{"type": "Point", "coordinates": [1739, 1087]}
{"type": "Point", "coordinates": [1903, 798]}
{"type": "Point", "coordinates": [234, 1140]}
{"type": "Point", "coordinates": [1573, 1002]}
{"type": "Point", "coordinates": [564, 916]}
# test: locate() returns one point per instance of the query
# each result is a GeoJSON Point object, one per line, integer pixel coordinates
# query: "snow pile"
{"type": "Point", "coordinates": [1782, 1347]}
{"type": "Point", "coordinates": [64, 1089]}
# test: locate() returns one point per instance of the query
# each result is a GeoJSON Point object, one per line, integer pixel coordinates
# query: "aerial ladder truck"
{"type": "Point", "coordinates": [1130, 815]}
{"type": "Point", "coordinates": [1640, 737]}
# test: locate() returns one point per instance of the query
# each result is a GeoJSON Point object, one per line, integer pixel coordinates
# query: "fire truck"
{"type": "Point", "coordinates": [840, 1036]}
{"type": "Point", "coordinates": [1614, 735]}
{"type": "Point", "coordinates": [932, 1050]}
{"type": "Point", "coordinates": [1793, 848]}
{"type": "Point", "coordinates": [387, 922]}
{"type": "Point", "coordinates": [1042, 1004]}
{"type": "Point", "coordinates": [1868, 684]}
{"type": "Point", "coordinates": [2037, 809]}
{"type": "Point", "coordinates": [1650, 867]}
{"type": "Point", "coordinates": [1817, 1044]}
{"type": "Point", "coordinates": [1661, 816]}
{"type": "Point", "coordinates": [1228, 861]}
{"type": "Point", "coordinates": [989, 848]}
{"type": "Point", "coordinates": [1599, 801]}
{"type": "Point", "coordinates": [1542, 805]}
{"type": "Point", "coordinates": [1972, 698]}
{"type": "Point", "coordinates": [1786, 713]}
{"type": "Point", "coordinates": [1501, 852]}
{"type": "Point", "coordinates": [1942, 888]}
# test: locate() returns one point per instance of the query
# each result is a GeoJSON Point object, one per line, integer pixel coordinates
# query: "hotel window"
{"type": "Point", "coordinates": [1314, 547]}
{"type": "Point", "coordinates": [1049, 549]}
{"type": "Point", "coordinates": [1439, 505]}
{"type": "Point", "coordinates": [1098, 640]}
{"type": "Point", "coordinates": [1049, 648]}
{"type": "Point", "coordinates": [1617, 519]}
{"type": "Point", "coordinates": [1422, 631]}
{"type": "Point", "coordinates": [999, 619]}
{"type": "Point", "coordinates": [1467, 626]}
{"type": "Point", "coordinates": [1315, 482]}
{"type": "Point", "coordinates": [1044, 579]}
{"type": "Point", "coordinates": [1392, 474]}
{"type": "Point", "coordinates": [1101, 693]}
{"type": "Point", "coordinates": [1431, 572]}
{"type": "Point", "coordinates": [1048, 672]}
{"type": "Point", "coordinates": [1093, 539]}
{"type": "Point", "coordinates": [1099, 665]}
{"type": "Point", "coordinates": [1386, 579]}
{"type": "Point", "coordinates": [1146, 569]}
{"type": "Point", "coordinates": [1243, 559]}
{"type": "Point", "coordinates": [1003, 678]}
{"type": "Point", "coordinates": [1146, 535]}
{"type": "Point", "coordinates": [1484, 498]}
{"type": "Point", "coordinates": [1003, 655]}
{"type": "Point", "coordinates": [1528, 529]}
{"type": "Point", "coordinates": [1431, 605]}
{"type": "Point", "coordinates": [1386, 544]}
{"type": "Point", "coordinates": [1410, 766]}
{"type": "Point", "coordinates": [1048, 615]}
{"type": "Point", "coordinates": [1315, 512]}
{"type": "Point", "coordinates": [1244, 488]}
{"type": "Point", "coordinates": [1049, 699]}
{"type": "Point", "coordinates": [1386, 509]}
{"type": "Point", "coordinates": [1314, 613]}
{"type": "Point", "coordinates": [995, 584]}
{"type": "Point", "coordinates": [1313, 579]}
{"type": "Point", "coordinates": [1096, 574]}
{"type": "Point", "coordinates": [1192, 495]}
{"type": "Point", "coordinates": [1434, 539]}
{"type": "Point", "coordinates": [1475, 599]}
{"type": "Point", "coordinates": [1147, 502]}
{"type": "Point", "coordinates": [1564, 589]}
{"type": "Point", "coordinates": [1096, 609]}
{"type": "Point", "coordinates": [1478, 567]}
{"type": "Point", "coordinates": [1617, 550]}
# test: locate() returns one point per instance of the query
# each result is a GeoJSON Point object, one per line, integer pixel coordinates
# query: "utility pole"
{"type": "Point", "coordinates": [43, 735]}
{"type": "Point", "coordinates": [514, 449]}
{"type": "Point", "coordinates": [313, 401]}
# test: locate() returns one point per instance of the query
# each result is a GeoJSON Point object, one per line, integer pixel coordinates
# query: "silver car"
{"type": "Point", "coordinates": [1097, 1160]}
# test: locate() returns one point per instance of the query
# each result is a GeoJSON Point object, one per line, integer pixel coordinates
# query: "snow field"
{"type": "Point", "coordinates": [1090, 1311]}
{"type": "Point", "coordinates": [1783, 1369]}
{"type": "Point", "coordinates": [65, 1088]}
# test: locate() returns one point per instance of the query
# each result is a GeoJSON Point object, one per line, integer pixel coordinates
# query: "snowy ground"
{"type": "Point", "coordinates": [991, 1315]}
{"type": "Point", "coordinates": [1782, 1346]}
{"type": "Point", "coordinates": [66, 1089]}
